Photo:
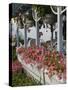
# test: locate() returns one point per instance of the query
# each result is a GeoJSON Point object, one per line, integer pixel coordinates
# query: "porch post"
{"type": "Point", "coordinates": [37, 34]}
{"type": "Point", "coordinates": [25, 36]}
{"type": "Point", "coordinates": [17, 36]}
{"type": "Point", "coordinates": [37, 30]}
{"type": "Point", "coordinates": [59, 33]}
{"type": "Point", "coordinates": [36, 19]}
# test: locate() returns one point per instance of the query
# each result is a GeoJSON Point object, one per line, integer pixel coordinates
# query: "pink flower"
{"type": "Point", "coordinates": [16, 66]}
{"type": "Point", "coordinates": [44, 58]}
{"type": "Point", "coordinates": [20, 50]}
{"type": "Point", "coordinates": [59, 76]}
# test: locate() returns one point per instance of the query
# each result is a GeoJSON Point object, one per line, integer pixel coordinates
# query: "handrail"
{"type": "Point", "coordinates": [63, 11]}
{"type": "Point", "coordinates": [53, 10]}
{"type": "Point", "coordinates": [56, 12]}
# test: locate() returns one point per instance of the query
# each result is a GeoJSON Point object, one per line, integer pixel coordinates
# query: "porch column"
{"type": "Point", "coordinates": [17, 36]}
{"type": "Point", "coordinates": [37, 34]}
{"type": "Point", "coordinates": [37, 30]}
{"type": "Point", "coordinates": [25, 36]}
{"type": "Point", "coordinates": [59, 33]}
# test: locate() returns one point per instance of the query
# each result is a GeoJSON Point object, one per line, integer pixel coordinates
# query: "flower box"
{"type": "Point", "coordinates": [43, 68]}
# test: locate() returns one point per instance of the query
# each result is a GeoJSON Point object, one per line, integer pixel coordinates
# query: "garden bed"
{"type": "Point", "coordinates": [20, 77]}
{"type": "Point", "coordinates": [48, 67]}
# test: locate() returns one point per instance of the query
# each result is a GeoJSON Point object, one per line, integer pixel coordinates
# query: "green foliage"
{"type": "Point", "coordinates": [21, 79]}
{"type": "Point", "coordinates": [42, 9]}
{"type": "Point", "coordinates": [14, 57]}
{"type": "Point", "coordinates": [21, 40]}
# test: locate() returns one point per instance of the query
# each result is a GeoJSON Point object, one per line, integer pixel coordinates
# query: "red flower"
{"type": "Point", "coordinates": [52, 60]}
{"type": "Point", "coordinates": [16, 66]}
